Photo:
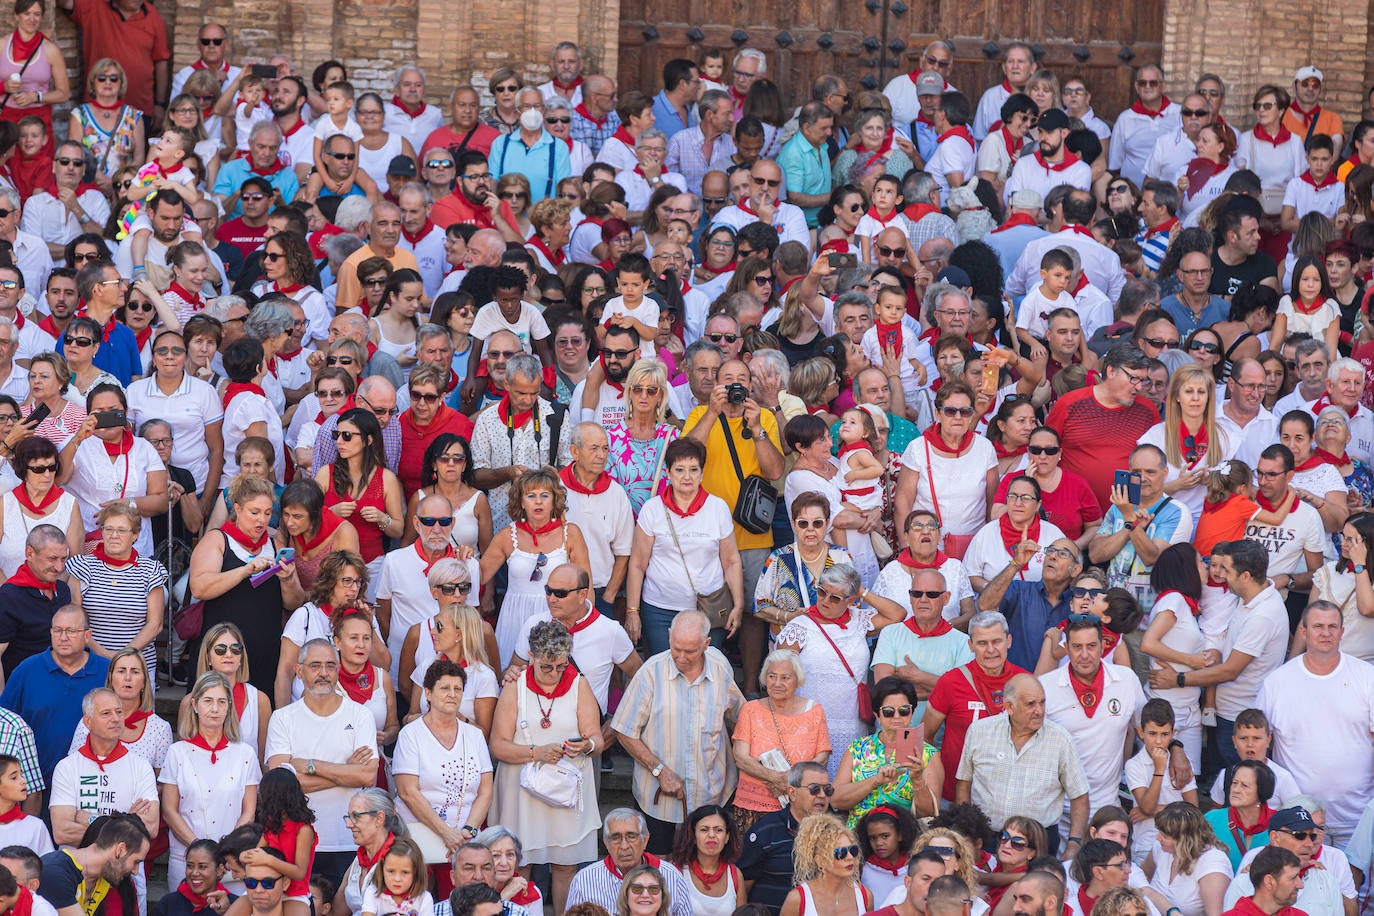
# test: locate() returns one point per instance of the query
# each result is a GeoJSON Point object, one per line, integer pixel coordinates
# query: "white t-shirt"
{"type": "Point", "coordinates": [609, 409]}
{"type": "Point", "coordinates": [645, 313]}
{"type": "Point", "coordinates": [211, 794]}
{"type": "Point", "coordinates": [1315, 323]}
{"type": "Point", "coordinates": [297, 732]}
{"type": "Point", "coordinates": [325, 128]}
{"type": "Point", "coordinates": [1140, 771]}
{"type": "Point", "coordinates": [1320, 894]}
{"type": "Point", "coordinates": [598, 646]}
{"type": "Point", "coordinates": [955, 154]}
{"type": "Point", "coordinates": [894, 581]}
{"type": "Point", "coordinates": [96, 481]}
{"type": "Point", "coordinates": [243, 411]}
{"type": "Point", "coordinates": [81, 783]}
{"type": "Point", "coordinates": [1259, 628]}
{"type": "Point", "coordinates": [188, 410]}
{"type": "Point", "coordinates": [1101, 739]}
{"type": "Point", "coordinates": [1285, 787]}
{"type": "Point", "coordinates": [29, 831]}
{"type": "Point", "coordinates": [960, 483]}
{"type": "Point", "coordinates": [611, 523]}
{"type": "Point", "coordinates": [1032, 315]}
{"type": "Point", "coordinates": [404, 584]}
{"type": "Point", "coordinates": [449, 777]}
{"type": "Point", "coordinates": [481, 683]}
{"type": "Point", "coordinates": [529, 327]}
{"type": "Point", "coordinates": [1301, 531]}
{"type": "Point", "coordinates": [1184, 636]}
{"type": "Point", "coordinates": [700, 534]}
{"type": "Point", "coordinates": [1182, 890]}
{"type": "Point", "coordinates": [987, 555]}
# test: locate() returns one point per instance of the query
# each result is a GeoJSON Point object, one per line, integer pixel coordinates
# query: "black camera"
{"type": "Point", "coordinates": [736, 393]}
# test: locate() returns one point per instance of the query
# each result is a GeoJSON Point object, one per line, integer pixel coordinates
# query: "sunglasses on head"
{"type": "Point", "coordinates": [450, 588]}
{"type": "Point", "coordinates": [1089, 619]}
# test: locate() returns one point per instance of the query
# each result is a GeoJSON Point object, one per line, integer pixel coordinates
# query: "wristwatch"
{"type": "Point", "coordinates": [656, 770]}
{"type": "Point", "coordinates": [1358, 568]}
{"type": "Point", "coordinates": [1178, 679]}
{"type": "Point", "coordinates": [310, 767]}
{"type": "Point", "coordinates": [1129, 526]}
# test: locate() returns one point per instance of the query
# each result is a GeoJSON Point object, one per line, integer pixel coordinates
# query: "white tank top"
{"type": "Point", "coordinates": [375, 161]}
{"type": "Point", "coordinates": [248, 722]}
{"type": "Point", "coordinates": [703, 905]}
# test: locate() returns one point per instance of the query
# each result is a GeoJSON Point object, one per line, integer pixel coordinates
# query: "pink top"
{"type": "Point", "coordinates": [38, 76]}
{"type": "Point", "coordinates": [800, 737]}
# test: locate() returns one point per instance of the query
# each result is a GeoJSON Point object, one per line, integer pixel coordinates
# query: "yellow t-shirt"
{"type": "Point", "coordinates": [719, 477]}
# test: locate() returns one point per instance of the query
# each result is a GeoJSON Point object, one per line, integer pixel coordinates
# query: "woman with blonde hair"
{"type": "Point", "coordinates": [825, 864]}
{"type": "Point", "coordinates": [638, 441]}
{"type": "Point", "coordinates": [1192, 441]}
{"type": "Point", "coordinates": [798, 333]}
{"type": "Point", "coordinates": [643, 892]}
{"type": "Point", "coordinates": [222, 651]}
{"type": "Point", "coordinates": [1120, 901]}
{"type": "Point", "coordinates": [1188, 868]}
{"type": "Point", "coordinates": [816, 382]}
{"type": "Point", "coordinates": [458, 634]}
{"type": "Point", "coordinates": [952, 846]}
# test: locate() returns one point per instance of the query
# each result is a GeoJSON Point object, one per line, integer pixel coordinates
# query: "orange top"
{"type": "Point", "coordinates": [1223, 521]}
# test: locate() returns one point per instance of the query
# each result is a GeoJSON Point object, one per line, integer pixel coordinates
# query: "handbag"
{"type": "Point", "coordinates": [956, 545]}
{"type": "Point", "coordinates": [862, 695]}
{"type": "Point", "coordinates": [558, 785]}
{"type": "Point", "coordinates": [758, 498]}
{"type": "Point", "coordinates": [717, 604]}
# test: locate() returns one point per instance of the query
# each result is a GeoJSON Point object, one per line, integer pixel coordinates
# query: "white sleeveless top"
{"type": "Point", "coordinates": [248, 722]}
{"type": "Point", "coordinates": [18, 525]}
{"type": "Point", "coordinates": [808, 903]}
{"type": "Point", "coordinates": [703, 905]}
{"type": "Point", "coordinates": [375, 161]}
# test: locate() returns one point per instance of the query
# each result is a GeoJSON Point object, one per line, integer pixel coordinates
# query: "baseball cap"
{"type": "Point", "coordinates": [401, 167]}
{"type": "Point", "coordinates": [1307, 73]}
{"type": "Point", "coordinates": [1296, 818]}
{"type": "Point", "coordinates": [930, 83]}
{"type": "Point", "coordinates": [1053, 119]}
{"type": "Point", "coordinates": [1026, 199]}
{"type": "Point", "coordinates": [955, 276]}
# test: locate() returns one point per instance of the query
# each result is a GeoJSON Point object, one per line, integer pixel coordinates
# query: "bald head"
{"type": "Point", "coordinates": [1023, 688]}
{"type": "Point", "coordinates": [485, 248]}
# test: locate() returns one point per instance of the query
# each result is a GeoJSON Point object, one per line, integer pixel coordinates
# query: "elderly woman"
{"type": "Point", "coordinates": [210, 780]}
{"type": "Point", "coordinates": [333, 388]}
{"type": "Point", "coordinates": [507, 854]}
{"type": "Point", "coordinates": [558, 122]}
{"type": "Point", "coordinates": [923, 552]}
{"type": "Point", "coordinates": [1244, 823]}
{"type": "Point", "coordinates": [873, 144]}
{"type": "Point", "coordinates": [221, 651]}
{"type": "Point", "coordinates": [270, 324]}
{"type": "Point", "coordinates": [49, 380]}
{"type": "Point", "coordinates": [374, 823]}
{"type": "Point", "coordinates": [1188, 869]}
{"type": "Point", "coordinates": [773, 734]}
{"type": "Point", "coordinates": [816, 470]}
{"type": "Point", "coordinates": [1332, 439]}
{"type": "Point", "coordinates": [552, 228]}
{"type": "Point", "coordinates": [995, 543]}
{"type": "Point", "coordinates": [312, 532]}
{"type": "Point", "coordinates": [38, 500]}
{"type": "Point", "coordinates": [427, 418]}
{"type": "Point", "coordinates": [1318, 483]}
{"type": "Point", "coordinates": [826, 865]}
{"type": "Point", "coordinates": [787, 585]}
{"type": "Point", "coordinates": [1066, 499]}
{"type": "Point", "coordinates": [1190, 437]}
{"type": "Point", "coordinates": [80, 343]}
{"type": "Point", "coordinates": [831, 638]}
{"type": "Point", "coordinates": [690, 532]}
{"type": "Point", "coordinates": [455, 633]}
{"type": "Point", "coordinates": [541, 718]}
{"type": "Point", "coordinates": [638, 442]}
{"type": "Point", "coordinates": [867, 775]}
{"type": "Point", "coordinates": [111, 131]}
{"type": "Point", "coordinates": [221, 567]}
{"type": "Point", "coordinates": [1270, 150]}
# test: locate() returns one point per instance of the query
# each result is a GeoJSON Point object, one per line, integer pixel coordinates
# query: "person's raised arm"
{"type": "Point", "coordinates": [996, 590]}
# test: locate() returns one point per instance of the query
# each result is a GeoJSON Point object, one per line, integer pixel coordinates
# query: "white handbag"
{"type": "Point", "coordinates": [558, 785]}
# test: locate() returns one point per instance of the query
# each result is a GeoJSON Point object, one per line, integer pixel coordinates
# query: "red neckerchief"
{"type": "Point", "coordinates": [592, 617]}
{"type": "Point", "coordinates": [94, 103]}
{"type": "Point", "coordinates": [287, 290]}
{"type": "Point", "coordinates": [1139, 108]}
{"type": "Point", "coordinates": [1013, 148]}
{"type": "Point", "coordinates": [1016, 219]}
{"type": "Point", "coordinates": [360, 686]}
{"type": "Point", "coordinates": [89, 753]}
{"type": "Point", "coordinates": [122, 447]}
{"type": "Point", "coordinates": [1324, 401]}
{"type": "Point", "coordinates": [1326, 182]}
{"type": "Point", "coordinates": [859, 446]}
{"type": "Point", "coordinates": [1003, 452]}
{"type": "Point", "coordinates": [137, 716]}
{"type": "Point", "coordinates": [1011, 535]}
{"type": "Point", "coordinates": [841, 621]}
{"type": "Point", "coordinates": [1199, 172]}
{"type": "Point", "coordinates": [425, 230]}
{"type": "Point", "coordinates": [989, 687]}
{"type": "Point", "coordinates": [788, 285]}
{"type": "Point", "coordinates": [940, 629]}
{"type": "Point", "coordinates": [735, 95]}
{"type": "Point", "coordinates": [566, 87]}
{"type": "Point", "coordinates": [1069, 159]}
{"type": "Point", "coordinates": [1283, 136]}
{"type": "Point", "coordinates": [197, 902]}
{"type": "Point", "coordinates": [25, 578]}
{"type": "Point", "coordinates": [1163, 228]}
{"type": "Point", "coordinates": [534, 532]}
{"type": "Point", "coordinates": [623, 135]}
{"type": "Point", "coordinates": [106, 328]}
{"type": "Point", "coordinates": [23, 906]}
{"type": "Point", "coordinates": [910, 562]}
{"type": "Point", "coordinates": [884, 148]}
{"type": "Point", "coordinates": [698, 501]}
{"type": "Point", "coordinates": [193, 299]}
{"type": "Point", "coordinates": [1306, 117]}
{"type": "Point", "coordinates": [889, 336]}
{"type": "Point", "coordinates": [48, 325]}
{"type": "Point", "coordinates": [1334, 460]}
{"type": "Point", "coordinates": [412, 112]}
{"type": "Point", "coordinates": [884, 220]}
{"type": "Point", "coordinates": [420, 550]}
{"type": "Point", "coordinates": [918, 211]}
{"type": "Point", "coordinates": [556, 258]}
{"type": "Point", "coordinates": [1085, 903]}
{"type": "Point", "coordinates": [14, 814]}
{"type": "Point", "coordinates": [895, 869]}
{"type": "Point", "coordinates": [21, 50]}
{"type": "Point", "coordinates": [40, 508]}
{"type": "Point", "coordinates": [1089, 695]}
{"type": "Point", "coordinates": [1240, 833]}
{"type": "Point", "coordinates": [365, 861]}
{"type": "Point", "coordinates": [649, 859]}
{"type": "Point", "coordinates": [1199, 444]}
{"type": "Point", "coordinates": [1191, 602]}
{"type": "Point", "coordinates": [600, 485]}
{"type": "Point", "coordinates": [289, 132]}
{"type": "Point", "coordinates": [233, 531]}
{"type": "Point", "coordinates": [581, 109]}
{"type": "Point", "coordinates": [233, 389]}
{"type": "Point", "coordinates": [327, 528]}
{"type": "Point", "coordinates": [199, 741]}
{"type": "Point", "coordinates": [747, 205]}
{"type": "Point", "coordinates": [1270, 507]}
{"type": "Point", "coordinates": [1077, 229]}
{"type": "Point", "coordinates": [102, 556]}
{"type": "Point", "coordinates": [530, 893]}
{"type": "Point", "coordinates": [240, 693]}
{"type": "Point", "coordinates": [142, 337]}
{"type": "Point", "coordinates": [961, 131]}
{"type": "Point", "coordinates": [503, 411]}
{"type": "Point", "coordinates": [565, 683]}
{"type": "Point", "coordinates": [606, 375]}
{"type": "Point", "coordinates": [932, 435]}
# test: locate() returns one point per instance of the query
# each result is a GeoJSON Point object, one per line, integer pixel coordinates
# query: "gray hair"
{"type": "Point", "coordinates": [775, 359]}
{"type": "Point", "coordinates": [429, 331]}
{"type": "Point", "coordinates": [268, 319]}
{"type": "Point", "coordinates": [6, 323]}
{"type": "Point", "coordinates": [653, 133]}
{"type": "Point", "coordinates": [1212, 78]}
{"type": "Point", "coordinates": [448, 570]}
{"type": "Point", "coordinates": [842, 576]}
{"type": "Point", "coordinates": [408, 68]}
{"type": "Point", "coordinates": [268, 126]}
{"type": "Point", "coordinates": [43, 535]}
{"type": "Point", "coordinates": [567, 46]}
{"type": "Point", "coordinates": [578, 436]}
{"type": "Point", "coordinates": [689, 618]}
{"type": "Point", "coordinates": [525, 366]}
{"type": "Point", "coordinates": [557, 103]}
{"type": "Point", "coordinates": [416, 187]}
{"type": "Point", "coordinates": [917, 186]}
{"type": "Point", "coordinates": [940, 43]}
{"type": "Point", "coordinates": [825, 85]}
{"type": "Point", "coordinates": [853, 297]}
{"type": "Point", "coordinates": [378, 800]}
{"type": "Point", "coordinates": [1308, 347]}
{"type": "Point", "coordinates": [339, 247]}
{"type": "Point", "coordinates": [550, 639]}
{"type": "Point", "coordinates": [753, 54]}
{"type": "Point", "coordinates": [984, 619]}
{"type": "Point", "coordinates": [937, 293]}
{"type": "Point", "coordinates": [12, 196]}
{"type": "Point", "coordinates": [353, 212]}
{"type": "Point", "coordinates": [88, 701]}
{"type": "Point", "coordinates": [493, 835]}
{"type": "Point", "coordinates": [700, 345]}
{"type": "Point", "coordinates": [709, 100]}
{"type": "Point", "coordinates": [622, 814]}
{"type": "Point", "coordinates": [220, 306]}
{"type": "Point", "coordinates": [1335, 412]}
{"type": "Point", "coordinates": [1344, 364]}
{"type": "Point", "coordinates": [797, 772]}
{"type": "Point", "coordinates": [787, 656]}
{"type": "Point", "coordinates": [318, 642]}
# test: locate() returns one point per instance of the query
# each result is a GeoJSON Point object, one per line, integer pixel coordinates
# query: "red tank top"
{"type": "Point", "coordinates": [369, 535]}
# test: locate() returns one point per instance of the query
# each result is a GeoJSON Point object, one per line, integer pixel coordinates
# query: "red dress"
{"type": "Point", "coordinates": [369, 535]}
{"type": "Point", "coordinates": [286, 842]}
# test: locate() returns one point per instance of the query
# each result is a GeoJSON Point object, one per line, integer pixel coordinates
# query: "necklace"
{"type": "Point", "coordinates": [545, 715]}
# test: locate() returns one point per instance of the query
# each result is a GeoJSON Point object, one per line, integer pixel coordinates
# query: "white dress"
{"type": "Point", "coordinates": [827, 681]}
{"type": "Point", "coordinates": [525, 591]}
{"type": "Point", "coordinates": [18, 524]}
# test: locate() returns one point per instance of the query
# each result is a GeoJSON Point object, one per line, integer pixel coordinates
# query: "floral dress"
{"type": "Point", "coordinates": [113, 149]}
{"type": "Point", "coordinates": [868, 756]}
{"type": "Point", "coordinates": [634, 462]}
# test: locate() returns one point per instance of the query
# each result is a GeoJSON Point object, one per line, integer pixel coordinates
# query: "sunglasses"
{"type": "Point", "coordinates": [771, 182]}
{"type": "Point", "coordinates": [451, 459]}
{"type": "Point", "coordinates": [540, 562]}
{"type": "Point", "coordinates": [1195, 112]}
{"type": "Point", "coordinates": [890, 711]}
{"type": "Point", "coordinates": [431, 521]}
{"type": "Point", "coordinates": [66, 160]}
{"type": "Point", "coordinates": [1160, 343]}
{"type": "Point", "coordinates": [650, 390]}
{"type": "Point", "coordinates": [78, 341]}
{"type": "Point", "coordinates": [1119, 189]}
{"type": "Point", "coordinates": [558, 120]}
{"type": "Point", "coordinates": [1303, 835]}
{"type": "Point", "coordinates": [559, 593]}
{"type": "Point", "coordinates": [816, 790]}
{"type": "Point", "coordinates": [1204, 346]}
{"type": "Point", "coordinates": [345, 434]}
{"type": "Point", "coordinates": [257, 196]}
{"type": "Point", "coordinates": [43, 469]}
{"type": "Point", "coordinates": [1015, 842]}
{"type": "Point", "coordinates": [265, 883]}
{"type": "Point", "coordinates": [1264, 106]}
{"type": "Point", "coordinates": [108, 78]}
{"type": "Point", "coordinates": [717, 338]}
{"type": "Point", "coordinates": [819, 524]}
{"type": "Point", "coordinates": [426, 398]}
{"type": "Point", "coordinates": [439, 164]}
{"type": "Point", "coordinates": [763, 280]}
{"type": "Point", "coordinates": [450, 588]}
{"type": "Point", "coordinates": [846, 852]}
{"type": "Point", "coordinates": [1089, 619]}
{"type": "Point", "coordinates": [338, 361]}
{"type": "Point", "coordinates": [206, 42]}
{"type": "Point", "coordinates": [228, 648]}
{"type": "Point", "coordinates": [345, 157]}
{"type": "Point", "coordinates": [639, 890]}
{"type": "Point", "coordinates": [891, 252]}
{"type": "Point", "coordinates": [1044, 449]}
{"type": "Point", "coordinates": [136, 306]}
{"type": "Point", "coordinates": [615, 354]}
{"type": "Point", "coordinates": [919, 593]}
{"type": "Point", "coordinates": [1079, 591]}
{"type": "Point", "coordinates": [957, 411]}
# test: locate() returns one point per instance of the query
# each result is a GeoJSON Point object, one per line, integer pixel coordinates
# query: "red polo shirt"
{"type": "Point", "coordinates": [242, 236]}
{"type": "Point", "coordinates": [483, 136]}
{"type": "Point", "coordinates": [452, 209]}
{"type": "Point", "coordinates": [137, 42]}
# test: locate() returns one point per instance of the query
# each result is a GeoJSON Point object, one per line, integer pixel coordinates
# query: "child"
{"type": "Point", "coordinates": [884, 212]}
{"type": "Point", "coordinates": [31, 165]}
{"type": "Point", "coordinates": [680, 231]}
{"type": "Point", "coordinates": [1230, 507]}
{"type": "Point", "coordinates": [1250, 737]}
{"type": "Point", "coordinates": [887, 838]}
{"type": "Point", "coordinates": [1032, 315]}
{"type": "Point", "coordinates": [338, 119]}
{"type": "Point", "coordinates": [284, 814]}
{"type": "Point", "coordinates": [249, 109]}
{"type": "Point", "coordinates": [887, 338]}
{"type": "Point", "coordinates": [322, 892]}
{"type": "Point", "coordinates": [1309, 306]}
{"type": "Point", "coordinates": [164, 171]}
{"type": "Point", "coordinates": [1147, 774]}
{"type": "Point", "coordinates": [16, 827]}
{"type": "Point", "coordinates": [201, 891]}
{"type": "Point", "coordinates": [232, 844]}
{"type": "Point", "coordinates": [860, 471]}
{"type": "Point", "coordinates": [509, 312]}
{"type": "Point", "coordinates": [1118, 612]}
{"type": "Point", "coordinates": [630, 308]}
{"type": "Point", "coordinates": [398, 887]}
{"type": "Point", "coordinates": [712, 69]}
{"type": "Point", "coordinates": [1317, 189]}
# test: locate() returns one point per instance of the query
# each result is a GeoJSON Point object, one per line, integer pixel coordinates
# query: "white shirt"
{"type": "Point", "coordinates": [987, 556]}
{"type": "Point", "coordinates": [608, 518]}
{"type": "Point", "coordinates": [1101, 265]}
{"type": "Point", "coordinates": [990, 108]}
{"type": "Point", "coordinates": [1322, 725]}
{"type": "Point", "coordinates": [1305, 197]}
{"type": "Point", "coordinates": [403, 582]}
{"type": "Point", "coordinates": [1285, 787]}
{"type": "Point", "coordinates": [788, 220]}
{"type": "Point", "coordinates": [906, 105]}
{"type": "Point", "coordinates": [210, 794]}
{"type": "Point", "coordinates": [193, 406]}
{"type": "Point", "coordinates": [617, 153]}
{"type": "Point", "coordinates": [81, 783]}
{"type": "Point", "coordinates": [34, 262]}
{"type": "Point", "coordinates": [699, 534]}
{"type": "Point", "coordinates": [1100, 740]}
{"type": "Point", "coordinates": [429, 254]}
{"type": "Point", "coordinates": [298, 732]}
{"type": "Point", "coordinates": [1301, 531]}
{"type": "Point", "coordinates": [894, 581]}
{"type": "Point", "coordinates": [599, 645]}
{"type": "Point", "coordinates": [960, 485]}
{"type": "Point", "coordinates": [1182, 890]}
{"type": "Point", "coordinates": [33, 340]}
{"type": "Point", "coordinates": [1030, 173]}
{"type": "Point", "coordinates": [954, 154]}
{"type": "Point", "coordinates": [179, 80]}
{"type": "Point", "coordinates": [243, 411]}
{"type": "Point", "coordinates": [449, 776]}
{"type": "Point", "coordinates": [637, 187]}
{"type": "Point", "coordinates": [1259, 628]}
{"type": "Point", "coordinates": [1275, 165]}
{"type": "Point", "coordinates": [48, 217]}
{"type": "Point", "coordinates": [415, 129]}
{"type": "Point", "coordinates": [1361, 429]}
{"type": "Point", "coordinates": [1133, 139]}
{"type": "Point", "coordinates": [529, 327]}
{"type": "Point", "coordinates": [97, 480]}
{"type": "Point", "coordinates": [1140, 772]}
{"type": "Point", "coordinates": [1252, 438]}
{"type": "Point", "coordinates": [1320, 894]}
{"type": "Point", "coordinates": [1170, 156]}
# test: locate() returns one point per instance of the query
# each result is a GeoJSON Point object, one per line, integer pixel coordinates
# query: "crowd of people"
{"type": "Point", "coordinates": [1017, 462]}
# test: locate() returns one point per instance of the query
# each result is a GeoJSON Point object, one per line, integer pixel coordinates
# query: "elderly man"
{"type": "Point", "coordinates": [926, 645]}
{"type": "Point", "coordinates": [702, 360]}
{"type": "Point", "coordinates": [595, 120]}
{"type": "Point", "coordinates": [902, 90]}
{"type": "Point", "coordinates": [1032, 607]}
{"type": "Point", "coordinates": [523, 432]}
{"type": "Point", "coordinates": [377, 396]}
{"type": "Point", "coordinates": [420, 236]}
{"type": "Point", "coordinates": [1174, 149]}
{"type": "Point", "coordinates": [531, 150]}
{"type": "Point", "coordinates": [73, 209]}
{"type": "Point", "coordinates": [313, 735]}
{"type": "Point", "coordinates": [355, 327]}
{"type": "Point", "coordinates": [46, 689]}
{"type": "Point", "coordinates": [1292, 830]}
{"type": "Point", "coordinates": [705, 147]}
{"type": "Point", "coordinates": [101, 777]}
{"type": "Point", "coordinates": [1138, 127]}
{"type": "Point", "coordinates": [1133, 533]}
{"type": "Point", "coordinates": [763, 206]}
{"type": "Point", "coordinates": [82, 881]}
{"type": "Point", "coordinates": [1018, 63]}
{"type": "Point", "coordinates": [767, 858]}
{"type": "Point", "coordinates": [1322, 736]}
{"type": "Point", "coordinates": [1243, 416]}
{"type": "Point", "coordinates": [648, 174]}
{"type": "Point", "coordinates": [1101, 265]}
{"type": "Point", "coordinates": [688, 690]}
{"type": "Point", "coordinates": [264, 144]}
{"type": "Point", "coordinates": [748, 65]}
{"type": "Point", "coordinates": [383, 241]}
{"type": "Point", "coordinates": [1305, 117]}
{"type": "Point", "coordinates": [30, 252]}
{"type": "Point", "coordinates": [406, 113]}
{"type": "Point", "coordinates": [1344, 385]}
{"type": "Point", "coordinates": [213, 42]}
{"type": "Point", "coordinates": [465, 130]}
{"type": "Point", "coordinates": [14, 376]}
{"type": "Point", "coordinates": [472, 869]}
{"type": "Point", "coordinates": [948, 312]}
{"type": "Point", "coordinates": [501, 346]}
{"type": "Point", "coordinates": [29, 598]}
{"type": "Point", "coordinates": [805, 162]}
{"type": "Point", "coordinates": [597, 503]}
{"type": "Point", "coordinates": [1019, 764]}
{"type": "Point", "coordinates": [626, 835]}
{"type": "Point", "coordinates": [566, 64]}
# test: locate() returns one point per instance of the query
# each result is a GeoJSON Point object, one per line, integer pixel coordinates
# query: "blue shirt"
{"type": "Point", "coordinates": [25, 615]}
{"type": "Point", "coordinates": [926, 139]}
{"type": "Point", "coordinates": [118, 355]}
{"type": "Point", "coordinates": [49, 699]}
{"type": "Point", "coordinates": [1026, 605]}
{"type": "Point", "coordinates": [1218, 309]}
{"type": "Point", "coordinates": [807, 171]}
{"type": "Point", "coordinates": [235, 172]}
{"type": "Point", "coordinates": [545, 164]}
{"type": "Point", "coordinates": [666, 117]}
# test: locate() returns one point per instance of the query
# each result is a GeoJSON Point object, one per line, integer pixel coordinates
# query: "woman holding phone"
{"type": "Point", "coordinates": [885, 768]}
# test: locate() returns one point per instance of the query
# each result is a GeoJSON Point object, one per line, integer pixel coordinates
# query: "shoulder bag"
{"type": "Point", "coordinates": [758, 498]}
{"type": "Point", "coordinates": [718, 604]}
{"type": "Point", "coordinates": [862, 694]}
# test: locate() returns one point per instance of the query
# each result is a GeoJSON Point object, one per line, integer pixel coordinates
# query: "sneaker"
{"type": "Point", "coordinates": [179, 675]}
{"type": "Point", "coordinates": [607, 765]}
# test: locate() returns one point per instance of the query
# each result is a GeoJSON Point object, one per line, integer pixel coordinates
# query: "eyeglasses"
{"type": "Point", "coordinates": [425, 398]}
{"type": "Point", "coordinates": [1015, 842]}
{"type": "Point", "coordinates": [501, 354]}
{"type": "Point", "coordinates": [451, 588]}
{"type": "Point", "coordinates": [1196, 272]}
{"type": "Point", "coordinates": [1125, 866]}
{"type": "Point", "coordinates": [344, 157]}
{"type": "Point", "coordinates": [763, 279]}
{"type": "Point", "coordinates": [8, 417]}
{"type": "Point", "coordinates": [265, 883]}
{"type": "Point", "coordinates": [108, 78]}
{"type": "Point", "coordinates": [515, 88]}
{"type": "Point", "coordinates": [1080, 591]}
{"type": "Point", "coordinates": [816, 789]}
{"type": "Point", "coordinates": [256, 196]}
{"type": "Point", "coordinates": [111, 531]}
{"type": "Point", "coordinates": [1204, 346]}
{"type": "Point", "coordinates": [42, 469]}
{"type": "Point", "coordinates": [1264, 106]}
{"type": "Point", "coordinates": [891, 252]}
{"type": "Point", "coordinates": [771, 182]}
{"type": "Point", "coordinates": [377, 411]}
{"type": "Point", "coordinates": [156, 443]}
{"type": "Point", "coordinates": [206, 42]}
{"type": "Point", "coordinates": [347, 435]}
{"type": "Point", "coordinates": [65, 160]}
{"type": "Point", "coordinates": [66, 632]}
{"type": "Point", "coordinates": [338, 361]}
{"type": "Point", "coordinates": [78, 341]}
{"type": "Point", "coordinates": [1195, 112]}
{"type": "Point", "coordinates": [918, 593]}
{"type": "Point", "coordinates": [451, 459]}
{"type": "Point", "coordinates": [476, 176]}
{"type": "Point", "coordinates": [559, 593]}
{"type": "Point", "coordinates": [717, 338]}
{"type": "Point", "coordinates": [957, 411]}
{"type": "Point", "coordinates": [353, 817]}
{"type": "Point", "coordinates": [558, 120]}
{"type": "Point", "coordinates": [888, 712]}
{"type": "Point", "coordinates": [1062, 552]}
{"type": "Point", "coordinates": [1044, 449]}
{"type": "Point", "coordinates": [846, 852]}
{"type": "Point", "coordinates": [639, 890]}
{"type": "Point", "coordinates": [1022, 498]}
{"type": "Point", "coordinates": [228, 648]}
{"type": "Point", "coordinates": [615, 354]}
{"type": "Point", "coordinates": [1269, 475]}
{"type": "Point", "coordinates": [1159, 343]}
{"type": "Point", "coordinates": [1148, 84]}
{"type": "Point", "coordinates": [649, 390]}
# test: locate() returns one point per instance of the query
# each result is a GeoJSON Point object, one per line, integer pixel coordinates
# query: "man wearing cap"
{"type": "Point", "coordinates": [1175, 149]}
{"type": "Point", "coordinates": [1017, 67]}
{"type": "Point", "coordinates": [249, 231]}
{"type": "Point", "coordinates": [1138, 127]}
{"type": "Point", "coordinates": [399, 170]}
{"type": "Point", "coordinates": [406, 113]}
{"type": "Point", "coordinates": [1052, 164]}
{"type": "Point", "coordinates": [928, 89]}
{"type": "Point", "coordinates": [1305, 117]}
{"type": "Point", "coordinates": [1293, 830]}
{"type": "Point", "coordinates": [1020, 229]}
{"type": "Point", "coordinates": [531, 151]}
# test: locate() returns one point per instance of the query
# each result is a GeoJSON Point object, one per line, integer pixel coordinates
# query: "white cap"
{"type": "Point", "coordinates": [1307, 73]}
{"type": "Point", "coordinates": [1026, 199]}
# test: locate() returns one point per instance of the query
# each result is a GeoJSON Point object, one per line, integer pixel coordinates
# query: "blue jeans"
{"type": "Point", "coordinates": [1220, 751]}
{"type": "Point", "coordinates": [655, 622]}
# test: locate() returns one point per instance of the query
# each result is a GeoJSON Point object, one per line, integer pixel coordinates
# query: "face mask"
{"type": "Point", "coordinates": [532, 119]}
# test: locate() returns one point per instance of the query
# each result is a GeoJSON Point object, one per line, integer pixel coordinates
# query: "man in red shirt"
{"type": "Point", "coordinates": [1098, 426]}
{"type": "Point", "coordinates": [133, 33]}
{"type": "Point", "coordinates": [249, 231]}
{"type": "Point", "coordinates": [466, 131]}
{"type": "Point", "coordinates": [971, 692]}
{"type": "Point", "coordinates": [1276, 874]}
{"type": "Point", "coordinates": [474, 201]}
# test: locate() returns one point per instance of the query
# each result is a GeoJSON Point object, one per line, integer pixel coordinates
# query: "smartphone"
{"type": "Point", "coordinates": [286, 555]}
{"type": "Point", "coordinates": [910, 742]}
{"type": "Point", "coordinates": [263, 71]}
{"type": "Point", "coordinates": [1131, 481]}
{"type": "Point", "coordinates": [111, 419]}
{"type": "Point", "coordinates": [840, 260]}
{"type": "Point", "coordinates": [40, 413]}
